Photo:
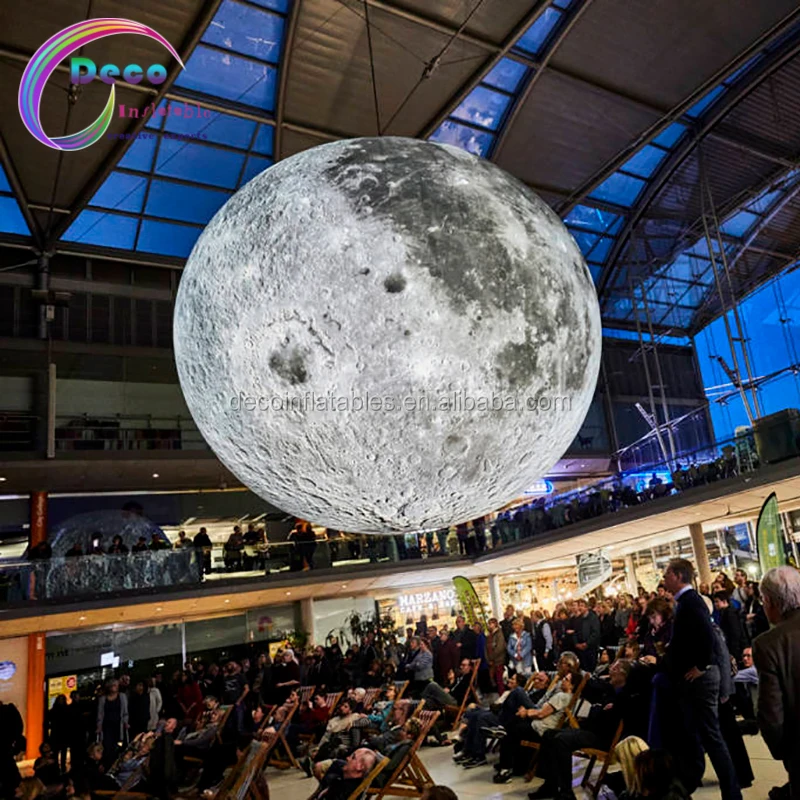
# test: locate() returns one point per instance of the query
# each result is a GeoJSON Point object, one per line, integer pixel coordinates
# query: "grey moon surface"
{"type": "Point", "coordinates": [387, 335]}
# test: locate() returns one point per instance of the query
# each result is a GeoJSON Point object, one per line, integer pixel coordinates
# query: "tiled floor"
{"type": "Point", "coordinates": [476, 784]}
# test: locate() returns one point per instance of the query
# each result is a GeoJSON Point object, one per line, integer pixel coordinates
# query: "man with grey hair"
{"type": "Point", "coordinates": [777, 658]}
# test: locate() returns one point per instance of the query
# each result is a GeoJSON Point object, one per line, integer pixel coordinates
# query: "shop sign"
{"type": "Point", "coordinates": [540, 487]}
{"type": "Point", "coordinates": [66, 684]}
{"type": "Point", "coordinates": [420, 601]}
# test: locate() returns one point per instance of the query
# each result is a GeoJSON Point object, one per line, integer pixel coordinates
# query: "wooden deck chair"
{"type": "Point", "coordinates": [605, 757]}
{"type": "Point", "coordinates": [332, 700]}
{"type": "Point", "coordinates": [255, 756]}
{"type": "Point", "coordinates": [305, 693]}
{"type": "Point", "coordinates": [370, 697]}
{"type": "Point", "coordinates": [410, 778]}
{"type": "Point", "coordinates": [226, 715]}
{"type": "Point", "coordinates": [568, 714]}
{"type": "Point", "coordinates": [249, 784]}
{"type": "Point", "coordinates": [401, 687]}
{"type": "Point", "coordinates": [281, 747]}
{"type": "Point", "coordinates": [361, 790]}
{"type": "Point", "coordinates": [470, 693]}
{"type": "Point", "coordinates": [418, 710]}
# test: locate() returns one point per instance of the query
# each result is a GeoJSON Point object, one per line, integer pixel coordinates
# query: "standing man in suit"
{"type": "Point", "coordinates": [777, 658]}
{"type": "Point", "coordinates": [695, 681]}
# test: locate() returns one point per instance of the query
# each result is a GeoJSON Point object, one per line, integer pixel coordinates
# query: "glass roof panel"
{"type": "Point", "coordinates": [265, 140]}
{"type": "Point", "coordinates": [121, 191]}
{"type": "Point", "coordinates": [230, 77]}
{"type": "Point", "coordinates": [764, 201]}
{"type": "Point", "coordinates": [246, 30]}
{"type": "Point", "coordinates": [670, 135]}
{"type": "Point", "coordinates": [11, 219]}
{"type": "Point", "coordinates": [596, 270]}
{"type": "Point", "coordinates": [645, 162]}
{"type": "Point", "coordinates": [473, 141]}
{"type": "Point", "coordinates": [620, 189]}
{"type": "Point", "coordinates": [535, 37]}
{"type": "Point", "coordinates": [484, 107]}
{"type": "Point", "coordinates": [704, 102]}
{"type": "Point", "coordinates": [601, 249]}
{"type": "Point", "coordinates": [592, 219]}
{"type": "Point", "coordinates": [586, 241]}
{"type": "Point", "coordinates": [213, 127]}
{"type": "Point", "coordinates": [5, 186]}
{"type": "Point", "coordinates": [506, 75]}
{"type": "Point", "coordinates": [167, 239]}
{"type": "Point", "coordinates": [199, 162]}
{"type": "Point", "coordinates": [139, 155]}
{"type": "Point", "coordinates": [276, 5]}
{"type": "Point", "coordinates": [255, 165]}
{"type": "Point", "coordinates": [739, 223]}
{"type": "Point", "coordinates": [104, 229]}
{"type": "Point", "coordinates": [156, 120]}
{"type": "Point", "coordinates": [185, 203]}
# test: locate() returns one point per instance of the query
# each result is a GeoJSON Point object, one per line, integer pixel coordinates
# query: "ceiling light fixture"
{"type": "Point", "coordinates": [155, 474]}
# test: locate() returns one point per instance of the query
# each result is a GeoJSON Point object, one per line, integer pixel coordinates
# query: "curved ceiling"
{"type": "Point", "coordinates": [642, 122]}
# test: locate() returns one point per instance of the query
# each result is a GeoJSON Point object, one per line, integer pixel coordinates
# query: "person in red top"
{"type": "Point", "coordinates": [311, 719]}
{"type": "Point", "coordinates": [190, 697]}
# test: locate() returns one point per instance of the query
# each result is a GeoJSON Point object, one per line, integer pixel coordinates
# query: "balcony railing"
{"type": "Point", "coordinates": [121, 432]}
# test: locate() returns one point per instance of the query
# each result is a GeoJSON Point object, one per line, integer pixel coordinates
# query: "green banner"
{"type": "Point", "coordinates": [769, 539]}
{"type": "Point", "coordinates": [470, 602]}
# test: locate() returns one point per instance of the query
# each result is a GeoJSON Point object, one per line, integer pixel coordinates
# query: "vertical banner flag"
{"type": "Point", "coordinates": [769, 539]}
{"type": "Point", "coordinates": [469, 601]}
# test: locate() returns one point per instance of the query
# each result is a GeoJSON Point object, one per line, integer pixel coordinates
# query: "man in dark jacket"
{"type": "Point", "coordinates": [10, 744]}
{"type": "Point", "coordinates": [730, 621]}
{"type": "Point", "coordinates": [587, 636]}
{"type": "Point", "coordinates": [344, 776]}
{"type": "Point", "coordinates": [162, 771]}
{"type": "Point", "coordinates": [466, 639]}
{"type": "Point", "coordinates": [614, 704]}
{"type": "Point", "coordinates": [695, 681]}
{"type": "Point", "coordinates": [777, 658]}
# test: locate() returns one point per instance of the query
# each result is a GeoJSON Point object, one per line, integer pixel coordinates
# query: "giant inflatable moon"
{"type": "Point", "coordinates": [387, 335]}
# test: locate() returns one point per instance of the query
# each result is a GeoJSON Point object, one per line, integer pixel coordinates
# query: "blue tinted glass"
{"type": "Point", "coordinates": [186, 203]}
{"type": "Point", "coordinates": [198, 162]}
{"type": "Point", "coordinates": [619, 307]}
{"type": "Point", "coordinates": [5, 186]}
{"type": "Point", "coordinates": [11, 219]}
{"type": "Point", "coordinates": [586, 241]}
{"type": "Point", "coordinates": [701, 105]}
{"type": "Point", "coordinates": [620, 189]}
{"type": "Point", "coordinates": [645, 162]}
{"type": "Point", "coordinates": [593, 219]}
{"type": "Point", "coordinates": [563, 4]}
{"type": "Point", "coordinates": [224, 75]}
{"type": "Point", "coordinates": [101, 228]}
{"type": "Point", "coordinates": [506, 75]}
{"type": "Point", "coordinates": [693, 296]}
{"type": "Point", "coordinates": [255, 166]}
{"type": "Point", "coordinates": [739, 223]}
{"type": "Point", "coordinates": [156, 120]}
{"type": "Point", "coordinates": [601, 250]}
{"type": "Point", "coordinates": [121, 191]}
{"type": "Point", "coordinates": [275, 5]}
{"type": "Point", "coordinates": [167, 239]}
{"type": "Point", "coordinates": [264, 140]}
{"type": "Point", "coordinates": [764, 201]}
{"type": "Point", "coordinates": [139, 155]}
{"type": "Point", "coordinates": [533, 39]}
{"type": "Point", "coordinates": [700, 248]}
{"type": "Point", "coordinates": [210, 126]}
{"type": "Point", "coordinates": [687, 267]}
{"type": "Point", "coordinates": [596, 271]}
{"type": "Point", "coordinates": [244, 29]}
{"type": "Point", "coordinates": [734, 76]}
{"type": "Point", "coordinates": [483, 107]}
{"type": "Point", "coordinates": [476, 142]}
{"type": "Point", "coordinates": [670, 135]}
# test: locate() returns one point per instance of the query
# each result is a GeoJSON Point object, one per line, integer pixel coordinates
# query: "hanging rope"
{"type": "Point", "coordinates": [372, 70]}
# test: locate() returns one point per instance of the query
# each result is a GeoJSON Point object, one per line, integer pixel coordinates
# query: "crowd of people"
{"type": "Point", "coordinates": [666, 675]}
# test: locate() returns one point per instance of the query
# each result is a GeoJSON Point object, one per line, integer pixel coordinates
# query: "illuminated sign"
{"type": "Point", "coordinates": [540, 487]}
{"type": "Point", "coordinates": [420, 601]}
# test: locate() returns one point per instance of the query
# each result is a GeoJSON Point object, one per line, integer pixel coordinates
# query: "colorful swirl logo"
{"type": "Point", "coordinates": [47, 58]}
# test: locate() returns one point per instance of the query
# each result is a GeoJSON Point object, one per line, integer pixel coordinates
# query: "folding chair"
{"type": "Point", "coordinates": [332, 700]}
{"type": "Point", "coordinates": [568, 712]}
{"type": "Point", "coordinates": [605, 757]}
{"type": "Point", "coordinates": [418, 710]}
{"type": "Point", "coordinates": [401, 687]}
{"type": "Point", "coordinates": [306, 693]}
{"type": "Point", "coordinates": [469, 693]}
{"type": "Point", "coordinates": [410, 778]}
{"type": "Point", "coordinates": [281, 745]}
{"type": "Point", "coordinates": [361, 790]}
{"type": "Point", "coordinates": [242, 775]}
{"type": "Point", "coordinates": [370, 697]}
